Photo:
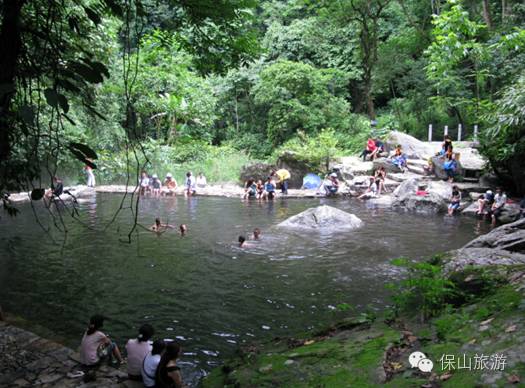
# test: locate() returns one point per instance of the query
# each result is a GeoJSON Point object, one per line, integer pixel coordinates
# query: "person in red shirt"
{"type": "Point", "coordinates": [371, 149]}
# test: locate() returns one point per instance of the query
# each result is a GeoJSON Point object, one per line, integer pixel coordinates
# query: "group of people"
{"type": "Point", "coordinates": [243, 241]}
{"type": "Point", "coordinates": [152, 184]}
{"type": "Point", "coordinates": [159, 227]}
{"type": "Point", "coordinates": [267, 190]}
{"type": "Point", "coordinates": [374, 148]}
{"type": "Point", "coordinates": [152, 363]}
{"type": "Point", "coordinates": [491, 205]}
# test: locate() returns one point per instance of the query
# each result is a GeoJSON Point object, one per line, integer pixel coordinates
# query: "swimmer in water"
{"type": "Point", "coordinates": [257, 234]}
{"type": "Point", "coordinates": [159, 226]}
{"type": "Point", "coordinates": [243, 243]}
{"type": "Point", "coordinates": [183, 229]}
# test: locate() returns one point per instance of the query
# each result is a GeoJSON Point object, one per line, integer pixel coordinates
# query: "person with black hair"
{"type": "Point", "coordinates": [151, 362]}
{"type": "Point", "coordinates": [168, 373]}
{"type": "Point", "coordinates": [96, 345]}
{"type": "Point", "coordinates": [137, 349]}
{"type": "Point", "coordinates": [243, 243]}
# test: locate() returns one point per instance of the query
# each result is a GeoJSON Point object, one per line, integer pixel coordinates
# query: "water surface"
{"type": "Point", "coordinates": [202, 290]}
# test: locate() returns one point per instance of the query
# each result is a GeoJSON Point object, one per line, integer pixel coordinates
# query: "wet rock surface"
{"type": "Point", "coordinates": [28, 360]}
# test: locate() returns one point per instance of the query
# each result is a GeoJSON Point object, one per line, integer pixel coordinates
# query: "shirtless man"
{"type": "Point", "coordinates": [159, 227]}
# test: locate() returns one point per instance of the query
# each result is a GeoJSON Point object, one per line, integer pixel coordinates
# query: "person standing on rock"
{"type": "Point", "coordinates": [90, 175]}
{"type": "Point", "coordinates": [97, 346]}
{"type": "Point", "coordinates": [283, 176]}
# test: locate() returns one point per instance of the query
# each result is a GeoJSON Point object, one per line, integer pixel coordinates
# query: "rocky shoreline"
{"type": "Point", "coordinates": [29, 360]}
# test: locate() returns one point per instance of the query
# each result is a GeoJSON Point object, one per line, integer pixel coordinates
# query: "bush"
{"type": "Point", "coordinates": [315, 151]}
{"type": "Point", "coordinates": [220, 164]}
{"type": "Point", "coordinates": [425, 289]}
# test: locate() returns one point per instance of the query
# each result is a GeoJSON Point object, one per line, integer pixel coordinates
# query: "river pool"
{"type": "Point", "coordinates": [202, 290]}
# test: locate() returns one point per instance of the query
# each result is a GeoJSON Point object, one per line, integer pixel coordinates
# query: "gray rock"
{"type": "Point", "coordinates": [387, 164]}
{"type": "Point", "coordinates": [502, 246]}
{"type": "Point", "coordinates": [255, 171]}
{"type": "Point", "coordinates": [297, 168]}
{"type": "Point", "coordinates": [436, 201]}
{"type": "Point", "coordinates": [322, 217]}
{"type": "Point", "coordinates": [412, 147]}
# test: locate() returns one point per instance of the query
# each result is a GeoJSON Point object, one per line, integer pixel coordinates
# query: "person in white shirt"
{"type": "Point", "coordinates": [500, 199]}
{"type": "Point", "coordinates": [150, 363]}
{"type": "Point", "coordinates": [201, 181]}
{"type": "Point", "coordinates": [137, 349]}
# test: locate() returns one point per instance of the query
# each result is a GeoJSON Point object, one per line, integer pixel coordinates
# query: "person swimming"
{"type": "Point", "coordinates": [159, 226]}
{"type": "Point", "coordinates": [243, 243]}
{"type": "Point", "coordinates": [257, 234]}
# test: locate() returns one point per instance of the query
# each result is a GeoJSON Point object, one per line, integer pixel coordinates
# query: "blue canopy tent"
{"type": "Point", "coordinates": [311, 181]}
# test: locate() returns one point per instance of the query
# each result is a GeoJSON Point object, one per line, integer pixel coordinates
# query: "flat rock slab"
{"type": "Point", "coordinates": [322, 218]}
{"type": "Point", "coordinates": [28, 360]}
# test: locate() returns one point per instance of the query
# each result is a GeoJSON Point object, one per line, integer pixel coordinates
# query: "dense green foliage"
{"type": "Point", "coordinates": [190, 72]}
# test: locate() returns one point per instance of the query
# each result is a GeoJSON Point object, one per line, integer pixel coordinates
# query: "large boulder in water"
{"type": "Point", "coordinates": [436, 200]}
{"type": "Point", "coordinates": [322, 217]}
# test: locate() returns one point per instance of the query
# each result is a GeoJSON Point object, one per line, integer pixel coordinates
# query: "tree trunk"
{"type": "Point", "coordinates": [10, 46]}
{"type": "Point", "coordinates": [486, 14]}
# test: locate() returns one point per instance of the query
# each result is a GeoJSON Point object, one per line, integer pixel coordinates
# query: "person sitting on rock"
{"type": "Point", "coordinates": [137, 349]}
{"type": "Point", "coordinates": [56, 190]}
{"type": "Point", "coordinates": [259, 188]}
{"type": "Point", "coordinates": [399, 159]}
{"type": "Point", "coordinates": [450, 166]}
{"type": "Point", "coordinates": [269, 189]}
{"type": "Point", "coordinates": [421, 190]}
{"type": "Point", "coordinates": [380, 147]}
{"type": "Point", "coordinates": [331, 184]}
{"type": "Point", "coordinates": [151, 362]}
{"type": "Point", "coordinates": [155, 185]}
{"type": "Point", "coordinates": [250, 189]}
{"type": "Point", "coordinates": [201, 181]}
{"type": "Point", "coordinates": [372, 190]}
{"type": "Point", "coordinates": [371, 149]}
{"type": "Point", "coordinates": [170, 185]}
{"type": "Point", "coordinates": [95, 345]}
{"type": "Point", "coordinates": [380, 174]}
{"type": "Point", "coordinates": [455, 200]}
{"type": "Point", "coordinates": [485, 202]}
{"type": "Point", "coordinates": [446, 146]}
{"type": "Point", "coordinates": [144, 183]}
{"type": "Point", "coordinates": [168, 373]}
{"type": "Point", "coordinates": [522, 209]}
{"type": "Point", "coordinates": [500, 199]}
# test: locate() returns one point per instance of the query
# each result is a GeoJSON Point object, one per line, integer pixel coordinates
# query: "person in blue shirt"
{"type": "Point", "coordinates": [269, 189]}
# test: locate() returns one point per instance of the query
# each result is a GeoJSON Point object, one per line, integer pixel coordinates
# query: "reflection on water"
{"type": "Point", "coordinates": [203, 290]}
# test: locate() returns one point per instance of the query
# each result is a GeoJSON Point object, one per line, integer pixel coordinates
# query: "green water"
{"type": "Point", "coordinates": [202, 290]}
